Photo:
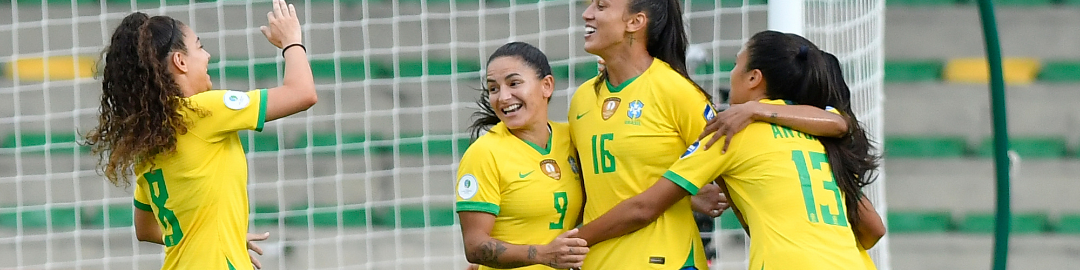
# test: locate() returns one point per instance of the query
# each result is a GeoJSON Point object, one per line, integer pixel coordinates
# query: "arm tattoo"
{"type": "Point", "coordinates": [489, 254]}
{"type": "Point", "coordinates": [532, 252]}
{"type": "Point", "coordinates": [773, 116]}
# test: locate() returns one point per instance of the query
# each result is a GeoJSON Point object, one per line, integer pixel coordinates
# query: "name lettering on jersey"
{"type": "Point", "coordinates": [634, 112]}
{"type": "Point", "coordinates": [709, 113]}
{"type": "Point", "coordinates": [691, 149]}
{"type": "Point", "coordinates": [611, 105]}
{"type": "Point", "coordinates": [467, 187]}
{"type": "Point", "coordinates": [551, 168]}
{"type": "Point", "coordinates": [782, 132]}
{"type": "Point", "coordinates": [236, 100]}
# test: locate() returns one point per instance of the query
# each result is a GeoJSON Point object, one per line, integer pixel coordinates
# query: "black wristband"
{"type": "Point", "coordinates": [290, 46]}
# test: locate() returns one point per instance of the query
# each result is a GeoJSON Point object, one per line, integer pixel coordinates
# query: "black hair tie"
{"type": "Point", "coordinates": [802, 52]}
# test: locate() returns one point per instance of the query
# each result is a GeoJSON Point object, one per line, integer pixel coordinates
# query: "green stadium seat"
{"type": "Point", "coordinates": [582, 71]}
{"type": "Point", "coordinates": [264, 142]}
{"type": "Point", "coordinates": [57, 217]}
{"type": "Point", "coordinates": [350, 69]}
{"type": "Point", "coordinates": [264, 215]}
{"type": "Point", "coordinates": [920, 2]}
{"type": "Point", "coordinates": [1068, 224]}
{"type": "Point", "coordinates": [1029, 147]}
{"type": "Point", "coordinates": [415, 68]}
{"type": "Point", "coordinates": [919, 221]}
{"type": "Point", "coordinates": [326, 216]}
{"type": "Point", "coordinates": [119, 215]}
{"type": "Point", "coordinates": [151, 3]}
{"type": "Point", "coordinates": [925, 147]}
{"type": "Point", "coordinates": [352, 143]}
{"type": "Point", "coordinates": [60, 143]}
{"type": "Point", "coordinates": [50, 2]}
{"type": "Point", "coordinates": [904, 71]}
{"type": "Point", "coordinates": [412, 216]}
{"type": "Point", "coordinates": [728, 221]}
{"type": "Point", "coordinates": [1021, 223]}
{"type": "Point", "coordinates": [240, 69]}
{"type": "Point", "coordinates": [411, 144]}
{"type": "Point", "coordinates": [1061, 71]}
{"type": "Point", "coordinates": [1070, 2]}
{"type": "Point", "coordinates": [710, 68]}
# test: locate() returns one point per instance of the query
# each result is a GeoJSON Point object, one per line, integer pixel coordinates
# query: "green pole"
{"type": "Point", "coordinates": [1001, 134]}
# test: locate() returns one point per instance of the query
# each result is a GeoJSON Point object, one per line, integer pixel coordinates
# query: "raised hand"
{"type": "Point", "coordinates": [283, 26]}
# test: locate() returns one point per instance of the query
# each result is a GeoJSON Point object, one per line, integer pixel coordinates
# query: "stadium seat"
{"type": "Point", "coordinates": [350, 69]}
{"type": "Point", "coordinates": [415, 68]}
{"type": "Point", "coordinates": [1061, 71]}
{"type": "Point", "coordinates": [1028, 147]}
{"type": "Point", "coordinates": [925, 146]}
{"type": "Point", "coordinates": [412, 216]}
{"type": "Point", "coordinates": [582, 71]}
{"type": "Point", "coordinates": [727, 3]}
{"type": "Point", "coordinates": [119, 215]}
{"type": "Point", "coordinates": [50, 2]}
{"type": "Point", "coordinates": [326, 216]}
{"type": "Point", "coordinates": [264, 142]}
{"type": "Point", "coordinates": [264, 215]}
{"type": "Point", "coordinates": [1068, 224]}
{"type": "Point", "coordinates": [352, 143]}
{"type": "Point", "coordinates": [1021, 223]}
{"type": "Point", "coordinates": [1070, 2]}
{"type": "Point", "coordinates": [60, 143]}
{"type": "Point", "coordinates": [905, 71]}
{"type": "Point", "coordinates": [152, 3]}
{"type": "Point", "coordinates": [240, 69]}
{"type": "Point", "coordinates": [919, 221]}
{"type": "Point", "coordinates": [55, 68]}
{"type": "Point", "coordinates": [728, 221]}
{"type": "Point", "coordinates": [919, 3]}
{"type": "Point", "coordinates": [710, 68]}
{"type": "Point", "coordinates": [57, 217]}
{"type": "Point", "coordinates": [411, 144]}
{"type": "Point", "coordinates": [976, 70]}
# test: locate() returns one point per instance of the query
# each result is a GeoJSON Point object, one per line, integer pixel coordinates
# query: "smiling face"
{"type": "Point", "coordinates": [517, 94]}
{"type": "Point", "coordinates": [606, 24]}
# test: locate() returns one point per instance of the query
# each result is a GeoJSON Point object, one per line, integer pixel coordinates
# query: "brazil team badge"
{"type": "Point", "coordinates": [611, 105]}
{"type": "Point", "coordinates": [551, 169]}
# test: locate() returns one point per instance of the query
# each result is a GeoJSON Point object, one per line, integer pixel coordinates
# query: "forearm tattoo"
{"type": "Point", "coordinates": [489, 253]}
{"type": "Point", "coordinates": [532, 252]}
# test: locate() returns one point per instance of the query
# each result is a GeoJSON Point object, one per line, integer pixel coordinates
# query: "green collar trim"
{"type": "Point", "coordinates": [543, 151]}
{"type": "Point", "coordinates": [616, 89]}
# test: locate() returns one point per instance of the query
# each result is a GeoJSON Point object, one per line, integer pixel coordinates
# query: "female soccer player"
{"type": "Point", "coordinates": [160, 121]}
{"type": "Point", "coordinates": [798, 194]}
{"type": "Point", "coordinates": [519, 185]}
{"type": "Point", "coordinates": [632, 122]}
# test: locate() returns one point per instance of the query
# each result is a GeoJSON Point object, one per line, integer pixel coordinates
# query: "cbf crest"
{"type": "Point", "coordinates": [551, 168]}
{"type": "Point", "coordinates": [611, 105]}
{"type": "Point", "coordinates": [634, 111]}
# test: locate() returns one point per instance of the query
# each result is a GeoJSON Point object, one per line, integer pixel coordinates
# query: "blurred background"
{"type": "Point", "coordinates": [364, 180]}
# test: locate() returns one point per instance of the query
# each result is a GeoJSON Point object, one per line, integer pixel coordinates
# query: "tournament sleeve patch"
{"type": "Point", "coordinates": [691, 149]}
{"type": "Point", "coordinates": [467, 186]}
{"type": "Point", "coordinates": [709, 113]}
{"type": "Point", "coordinates": [236, 100]}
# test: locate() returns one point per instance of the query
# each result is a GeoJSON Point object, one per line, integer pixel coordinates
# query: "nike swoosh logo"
{"type": "Point", "coordinates": [523, 175]}
{"type": "Point", "coordinates": [582, 115]}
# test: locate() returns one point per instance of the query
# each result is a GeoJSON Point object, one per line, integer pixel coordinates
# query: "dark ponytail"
{"type": "Point", "coordinates": [795, 69]}
{"type": "Point", "coordinates": [140, 103]}
{"type": "Point", "coordinates": [667, 38]}
{"type": "Point", "coordinates": [531, 56]}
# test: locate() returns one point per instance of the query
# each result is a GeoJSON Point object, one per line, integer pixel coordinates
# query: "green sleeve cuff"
{"type": "Point", "coordinates": [486, 207]}
{"type": "Point", "coordinates": [682, 182]}
{"type": "Point", "coordinates": [262, 110]}
{"type": "Point", "coordinates": [143, 206]}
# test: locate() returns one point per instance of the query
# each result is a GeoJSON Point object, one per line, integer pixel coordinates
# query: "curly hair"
{"type": "Point", "coordinates": [140, 103]}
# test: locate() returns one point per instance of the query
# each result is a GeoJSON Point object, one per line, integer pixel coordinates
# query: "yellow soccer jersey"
{"type": "Point", "coordinates": [627, 137]}
{"type": "Point", "coordinates": [199, 192]}
{"type": "Point", "coordinates": [534, 193]}
{"type": "Point", "coordinates": [781, 181]}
